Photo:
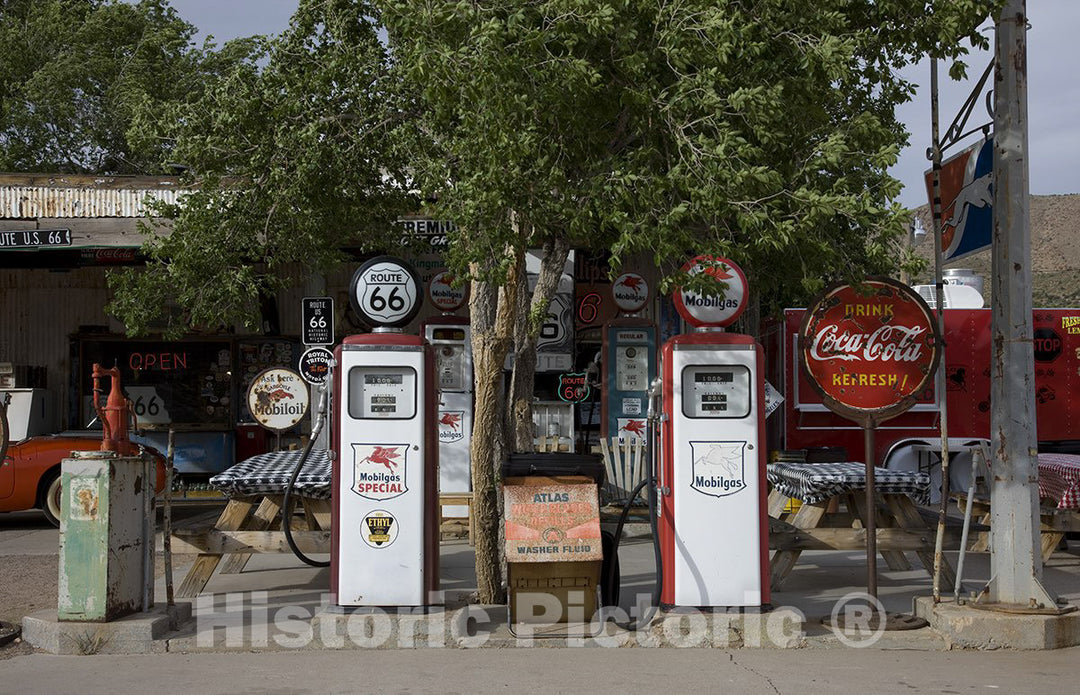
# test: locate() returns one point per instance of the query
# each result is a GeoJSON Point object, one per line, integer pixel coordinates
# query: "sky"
{"type": "Point", "coordinates": [1053, 87]}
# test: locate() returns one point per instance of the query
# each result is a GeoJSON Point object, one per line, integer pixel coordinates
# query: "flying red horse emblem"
{"type": "Point", "coordinates": [384, 455]}
{"type": "Point", "coordinates": [635, 427]}
{"type": "Point", "coordinates": [719, 271]}
{"type": "Point", "coordinates": [452, 420]}
{"type": "Point", "coordinates": [632, 282]}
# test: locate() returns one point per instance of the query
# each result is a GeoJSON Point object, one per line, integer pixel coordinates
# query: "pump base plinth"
{"type": "Point", "coordinates": [145, 632]}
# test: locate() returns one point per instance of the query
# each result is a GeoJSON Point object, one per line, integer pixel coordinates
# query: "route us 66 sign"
{"type": "Point", "coordinates": [385, 292]}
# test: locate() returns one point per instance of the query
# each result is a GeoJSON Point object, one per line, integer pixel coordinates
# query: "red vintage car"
{"type": "Point", "coordinates": [30, 471]}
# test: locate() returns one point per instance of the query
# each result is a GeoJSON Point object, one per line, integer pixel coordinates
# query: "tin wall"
{"type": "Point", "coordinates": [28, 202]}
{"type": "Point", "coordinates": [39, 310]}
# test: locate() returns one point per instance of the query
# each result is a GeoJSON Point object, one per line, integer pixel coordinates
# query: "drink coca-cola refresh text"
{"type": "Point", "coordinates": [897, 343]}
{"type": "Point", "coordinates": [868, 353]}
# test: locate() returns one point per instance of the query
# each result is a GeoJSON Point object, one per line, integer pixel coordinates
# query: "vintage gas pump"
{"type": "Point", "coordinates": [629, 362]}
{"type": "Point", "coordinates": [713, 527]}
{"type": "Point", "coordinates": [385, 483]}
{"type": "Point", "coordinates": [450, 339]}
{"type": "Point", "coordinates": [107, 519]}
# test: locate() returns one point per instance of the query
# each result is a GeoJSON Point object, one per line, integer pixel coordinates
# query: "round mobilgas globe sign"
{"type": "Point", "coordinates": [443, 295]}
{"type": "Point", "coordinates": [720, 309]}
{"type": "Point", "coordinates": [385, 292]}
{"type": "Point", "coordinates": [630, 292]}
{"type": "Point", "coordinates": [278, 398]}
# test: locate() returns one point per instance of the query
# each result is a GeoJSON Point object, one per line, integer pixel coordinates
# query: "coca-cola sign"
{"type": "Point", "coordinates": [869, 350]}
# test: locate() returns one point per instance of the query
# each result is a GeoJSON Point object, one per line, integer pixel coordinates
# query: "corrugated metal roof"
{"type": "Point", "coordinates": [28, 202]}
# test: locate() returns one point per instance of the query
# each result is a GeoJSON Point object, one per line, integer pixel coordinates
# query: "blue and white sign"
{"type": "Point", "coordinates": [967, 197]}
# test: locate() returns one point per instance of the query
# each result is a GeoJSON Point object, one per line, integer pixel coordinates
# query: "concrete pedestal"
{"type": "Point", "coordinates": [975, 628]}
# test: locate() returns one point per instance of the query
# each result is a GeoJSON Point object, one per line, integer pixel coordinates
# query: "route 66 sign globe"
{"type": "Point", "coordinates": [385, 291]}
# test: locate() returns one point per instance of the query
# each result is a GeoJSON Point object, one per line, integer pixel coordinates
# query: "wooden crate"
{"type": "Point", "coordinates": [572, 584]}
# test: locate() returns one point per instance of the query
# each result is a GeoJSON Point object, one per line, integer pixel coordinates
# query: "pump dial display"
{"type": "Point", "coordinates": [382, 393]}
{"type": "Point", "coordinates": [632, 367]}
{"type": "Point", "coordinates": [716, 391]}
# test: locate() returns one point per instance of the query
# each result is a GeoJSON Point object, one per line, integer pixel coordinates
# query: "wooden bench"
{"type": "Point", "coordinates": [247, 525]}
{"type": "Point", "coordinates": [900, 528]}
{"type": "Point", "coordinates": [457, 499]}
{"type": "Point", "coordinates": [1053, 525]}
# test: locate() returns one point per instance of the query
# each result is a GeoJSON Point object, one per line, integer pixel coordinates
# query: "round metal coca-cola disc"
{"type": "Point", "coordinates": [869, 350]}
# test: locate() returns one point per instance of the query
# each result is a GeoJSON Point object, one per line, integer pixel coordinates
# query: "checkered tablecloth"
{"type": "Point", "coordinates": [818, 482]}
{"type": "Point", "coordinates": [1059, 479]}
{"type": "Point", "coordinates": [268, 474]}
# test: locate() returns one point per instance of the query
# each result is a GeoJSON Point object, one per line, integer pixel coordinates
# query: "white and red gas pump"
{"type": "Point", "coordinates": [628, 365]}
{"type": "Point", "coordinates": [451, 341]}
{"type": "Point", "coordinates": [713, 527]}
{"type": "Point", "coordinates": [385, 548]}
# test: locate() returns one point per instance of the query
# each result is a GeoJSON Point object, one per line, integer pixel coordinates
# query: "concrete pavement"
{"type": "Point", "coordinates": [450, 671]}
{"type": "Point", "coordinates": [276, 590]}
{"type": "Point", "coordinates": [27, 533]}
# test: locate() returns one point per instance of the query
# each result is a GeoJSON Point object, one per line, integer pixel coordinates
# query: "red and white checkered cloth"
{"type": "Point", "coordinates": [1059, 479]}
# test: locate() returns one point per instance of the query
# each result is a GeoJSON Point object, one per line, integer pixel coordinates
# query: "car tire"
{"type": "Point", "coordinates": [50, 498]}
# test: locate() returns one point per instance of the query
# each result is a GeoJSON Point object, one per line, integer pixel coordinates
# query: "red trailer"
{"type": "Point", "coordinates": [909, 441]}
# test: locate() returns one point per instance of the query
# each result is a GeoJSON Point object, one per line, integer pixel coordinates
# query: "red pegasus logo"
{"type": "Point", "coordinates": [635, 427]}
{"type": "Point", "coordinates": [451, 420]}
{"type": "Point", "coordinates": [278, 394]}
{"type": "Point", "coordinates": [719, 271]}
{"type": "Point", "coordinates": [384, 455]}
{"type": "Point", "coordinates": [631, 281]}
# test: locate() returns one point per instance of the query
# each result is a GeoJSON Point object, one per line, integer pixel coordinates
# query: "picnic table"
{"type": "Point", "coordinates": [900, 525]}
{"type": "Point", "coordinates": [1059, 480]}
{"type": "Point", "coordinates": [1059, 511]}
{"type": "Point", "coordinates": [250, 522]}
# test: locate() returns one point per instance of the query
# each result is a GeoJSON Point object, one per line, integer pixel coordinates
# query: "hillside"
{"type": "Point", "coordinates": [1055, 251]}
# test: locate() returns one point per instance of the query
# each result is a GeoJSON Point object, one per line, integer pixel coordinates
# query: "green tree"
{"type": "Point", "coordinates": [291, 158]}
{"type": "Point", "coordinates": [757, 130]}
{"type": "Point", "coordinates": [761, 131]}
{"type": "Point", "coordinates": [76, 74]}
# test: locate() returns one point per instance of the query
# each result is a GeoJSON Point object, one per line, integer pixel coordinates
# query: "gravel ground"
{"type": "Point", "coordinates": [28, 584]}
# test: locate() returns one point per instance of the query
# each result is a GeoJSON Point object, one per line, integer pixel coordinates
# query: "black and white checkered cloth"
{"type": "Point", "coordinates": [818, 482]}
{"type": "Point", "coordinates": [268, 474]}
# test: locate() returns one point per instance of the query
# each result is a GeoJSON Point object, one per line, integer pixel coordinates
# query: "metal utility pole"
{"type": "Point", "coordinates": [1016, 562]}
{"type": "Point", "coordinates": [939, 295]}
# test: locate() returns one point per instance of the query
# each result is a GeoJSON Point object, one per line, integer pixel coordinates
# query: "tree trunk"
{"type": "Point", "coordinates": [531, 312]}
{"type": "Point", "coordinates": [492, 324]}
